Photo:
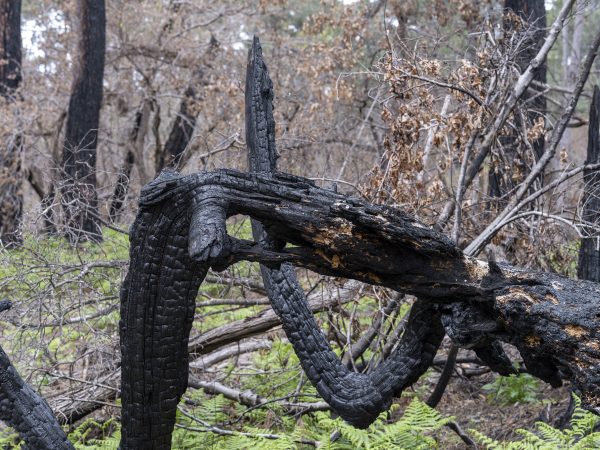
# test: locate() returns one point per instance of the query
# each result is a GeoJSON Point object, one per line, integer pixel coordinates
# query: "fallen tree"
{"type": "Point", "coordinates": [180, 232]}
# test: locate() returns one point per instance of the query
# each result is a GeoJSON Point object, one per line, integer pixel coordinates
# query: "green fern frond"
{"type": "Point", "coordinates": [579, 436]}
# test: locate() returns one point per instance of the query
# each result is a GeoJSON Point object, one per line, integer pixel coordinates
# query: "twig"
{"type": "Point", "coordinates": [509, 104]}
{"type": "Point", "coordinates": [461, 434]}
{"type": "Point", "coordinates": [223, 432]}
{"type": "Point", "coordinates": [515, 203]}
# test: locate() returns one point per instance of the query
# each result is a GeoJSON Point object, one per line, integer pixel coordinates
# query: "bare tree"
{"type": "Point", "coordinates": [11, 197]}
{"type": "Point", "coordinates": [80, 198]}
{"type": "Point", "coordinates": [525, 24]}
{"type": "Point", "coordinates": [589, 252]}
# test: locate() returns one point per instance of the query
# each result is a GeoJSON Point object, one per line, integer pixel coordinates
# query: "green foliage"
{"type": "Point", "coordinates": [412, 431]}
{"type": "Point", "coordinates": [9, 439]}
{"type": "Point", "coordinates": [93, 435]}
{"type": "Point", "coordinates": [560, 257]}
{"type": "Point", "coordinates": [579, 436]}
{"type": "Point", "coordinates": [521, 388]}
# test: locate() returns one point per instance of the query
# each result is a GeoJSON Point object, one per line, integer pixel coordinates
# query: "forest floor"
{"type": "Point", "coordinates": [466, 399]}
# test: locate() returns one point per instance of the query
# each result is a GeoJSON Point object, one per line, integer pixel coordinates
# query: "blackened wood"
{"type": "Point", "coordinates": [80, 199]}
{"type": "Point", "coordinates": [24, 410]}
{"type": "Point", "coordinates": [28, 413]}
{"type": "Point", "coordinates": [157, 309]}
{"type": "Point", "coordinates": [11, 177]}
{"type": "Point", "coordinates": [589, 253]}
{"type": "Point", "coordinates": [357, 397]}
{"type": "Point", "coordinates": [10, 47]}
{"type": "Point", "coordinates": [180, 232]}
{"type": "Point", "coordinates": [552, 320]}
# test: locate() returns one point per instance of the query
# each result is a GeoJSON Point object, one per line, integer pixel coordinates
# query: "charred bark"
{"type": "Point", "coordinates": [589, 252]}
{"type": "Point", "coordinates": [24, 410]}
{"type": "Point", "coordinates": [551, 319]}
{"type": "Point", "coordinates": [180, 232]}
{"type": "Point", "coordinates": [359, 398]}
{"type": "Point", "coordinates": [11, 177]}
{"type": "Point", "coordinates": [79, 196]}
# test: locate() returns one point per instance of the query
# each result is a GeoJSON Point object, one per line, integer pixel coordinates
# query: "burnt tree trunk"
{"type": "Point", "coordinates": [11, 196]}
{"type": "Point", "coordinates": [180, 232]}
{"type": "Point", "coordinates": [24, 410]}
{"type": "Point", "coordinates": [79, 196]}
{"type": "Point", "coordinates": [532, 14]}
{"type": "Point", "coordinates": [589, 252]}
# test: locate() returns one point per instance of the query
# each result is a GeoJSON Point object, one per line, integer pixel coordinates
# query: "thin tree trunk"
{"type": "Point", "coordinates": [184, 124]}
{"type": "Point", "coordinates": [135, 146]}
{"type": "Point", "coordinates": [589, 252]}
{"type": "Point", "coordinates": [533, 16]}
{"type": "Point", "coordinates": [79, 196]}
{"type": "Point", "coordinates": [11, 196]}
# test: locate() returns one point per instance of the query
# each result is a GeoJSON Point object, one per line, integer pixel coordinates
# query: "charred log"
{"type": "Point", "coordinates": [180, 232]}
{"type": "Point", "coordinates": [552, 320]}
{"type": "Point", "coordinates": [359, 398]}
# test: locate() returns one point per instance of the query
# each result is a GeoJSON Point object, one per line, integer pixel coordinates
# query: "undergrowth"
{"type": "Point", "coordinates": [66, 318]}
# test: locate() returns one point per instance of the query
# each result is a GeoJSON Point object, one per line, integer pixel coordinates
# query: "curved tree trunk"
{"type": "Point", "coordinates": [11, 177]}
{"type": "Point", "coordinates": [180, 231]}
{"type": "Point", "coordinates": [79, 197]}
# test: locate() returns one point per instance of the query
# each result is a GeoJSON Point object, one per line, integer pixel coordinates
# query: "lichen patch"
{"type": "Point", "coordinates": [532, 341]}
{"type": "Point", "coordinates": [477, 269]}
{"type": "Point", "coordinates": [575, 331]}
{"type": "Point", "coordinates": [551, 298]}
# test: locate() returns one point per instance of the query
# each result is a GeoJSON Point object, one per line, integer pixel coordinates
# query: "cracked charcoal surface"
{"type": "Point", "coordinates": [180, 230]}
{"type": "Point", "coordinates": [28, 413]}
{"type": "Point", "coordinates": [356, 397]}
{"type": "Point", "coordinates": [548, 317]}
{"type": "Point", "coordinates": [157, 309]}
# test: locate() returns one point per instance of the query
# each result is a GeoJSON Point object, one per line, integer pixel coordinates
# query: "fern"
{"type": "Point", "coordinates": [410, 432]}
{"type": "Point", "coordinates": [579, 436]}
{"type": "Point", "coordinates": [109, 435]}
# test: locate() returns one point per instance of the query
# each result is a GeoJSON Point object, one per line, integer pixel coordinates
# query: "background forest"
{"type": "Point", "coordinates": [432, 107]}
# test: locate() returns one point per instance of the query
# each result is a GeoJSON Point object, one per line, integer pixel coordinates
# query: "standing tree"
{"type": "Point", "coordinates": [589, 252]}
{"type": "Point", "coordinates": [525, 20]}
{"type": "Point", "coordinates": [79, 197]}
{"type": "Point", "coordinates": [11, 198]}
